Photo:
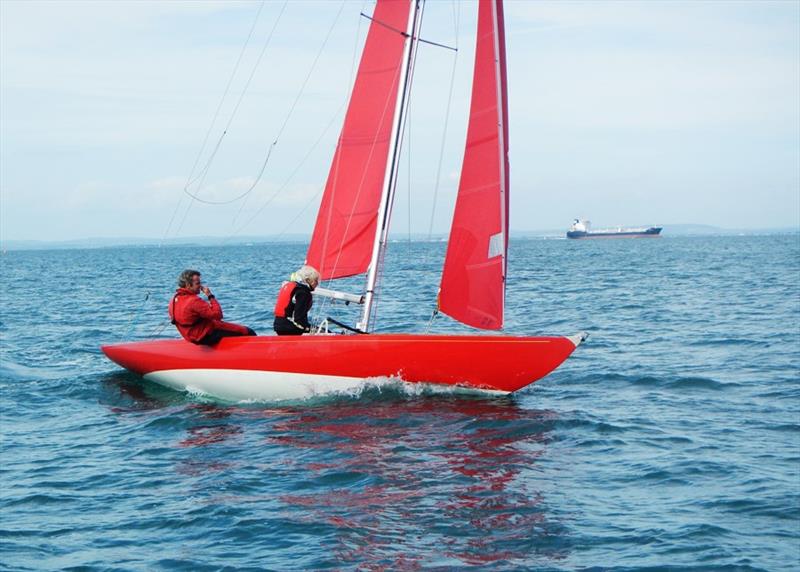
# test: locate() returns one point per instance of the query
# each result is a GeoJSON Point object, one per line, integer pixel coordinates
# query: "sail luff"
{"type": "Point", "coordinates": [502, 98]}
{"type": "Point", "coordinates": [472, 289]}
{"type": "Point", "coordinates": [500, 36]}
{"type": "Point", "coordinates": [390, 180]}
{"type": "Point", "coordinates": [343, 236]}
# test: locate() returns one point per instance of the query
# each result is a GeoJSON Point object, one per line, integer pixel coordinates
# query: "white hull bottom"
{"type": "Point", "coordinates": [239, 385]}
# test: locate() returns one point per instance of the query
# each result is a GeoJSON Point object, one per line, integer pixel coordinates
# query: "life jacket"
{"type": "Point", "coordinates": [194, 318]}
{"type": "Point", "coordinates": [285, 299]}
{"type": "Point", "coordinates": [172, 318]}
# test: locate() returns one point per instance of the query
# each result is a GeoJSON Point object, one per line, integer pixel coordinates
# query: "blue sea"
{"type": "Point", "coordinates": [669, 441]}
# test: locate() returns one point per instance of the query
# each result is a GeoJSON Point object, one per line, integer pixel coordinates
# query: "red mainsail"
{"type": "Point", "coordinates": [473, 280]}
{"type": "Point", "coordinates": [341, 244]}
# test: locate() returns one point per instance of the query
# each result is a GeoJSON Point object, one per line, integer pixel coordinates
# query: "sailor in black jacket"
{"type": "Point", "coordinates": [294, 302]}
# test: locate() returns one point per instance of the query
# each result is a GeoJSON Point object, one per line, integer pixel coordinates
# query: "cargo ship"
{"type": "Point", "coordinates": [582, 229]}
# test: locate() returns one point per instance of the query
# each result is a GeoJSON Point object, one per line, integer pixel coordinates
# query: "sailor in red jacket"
{"type": "Point", "coordinates": [198, 321]}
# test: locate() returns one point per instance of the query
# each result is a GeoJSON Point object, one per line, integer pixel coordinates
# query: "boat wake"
{"type": "Point", "coordinates": [377, 388]}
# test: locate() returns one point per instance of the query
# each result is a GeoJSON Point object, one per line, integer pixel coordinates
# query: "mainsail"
{"type": "Point", "coordinates": [473, 279]}
{"type": "Point", "coordinates": [343, 237]}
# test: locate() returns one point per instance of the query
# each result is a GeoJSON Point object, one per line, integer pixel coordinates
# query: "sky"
{"type": "Point", "coordinates": [621, 112]}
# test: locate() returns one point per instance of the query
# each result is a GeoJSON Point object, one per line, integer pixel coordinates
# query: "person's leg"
{"type": "Point", "coordinates": [232, 329]}
{"type": "Point", "coordinates": [213, 337]}
{"type": "Point", "coordinates": [284, 327]}
{"type": "Point", "coordinates": [287, 332]}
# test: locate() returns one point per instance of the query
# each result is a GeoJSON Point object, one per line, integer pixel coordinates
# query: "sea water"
{"type": "Point", "coordinates": [670, 440]}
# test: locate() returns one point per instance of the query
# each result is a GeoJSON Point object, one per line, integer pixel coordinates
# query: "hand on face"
{"type": "Point", "coordinates": [198, 286]}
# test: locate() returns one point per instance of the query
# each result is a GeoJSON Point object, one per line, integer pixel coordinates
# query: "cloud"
{"type": "Point", "coordinates": [655, 65]}
{"type": "Point", "coordinates": [104, 104]}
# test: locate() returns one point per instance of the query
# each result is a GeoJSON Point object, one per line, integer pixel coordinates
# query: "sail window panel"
{"type": "Point", "coordinates": [497, 245]}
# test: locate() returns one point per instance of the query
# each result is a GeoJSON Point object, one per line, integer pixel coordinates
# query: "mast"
{"type": "Point", "coordinates": [498, 22]}
{"type": "Point", "coordinates": [390, 177]}
{"type": "Point", "coordinates": [347, 221]}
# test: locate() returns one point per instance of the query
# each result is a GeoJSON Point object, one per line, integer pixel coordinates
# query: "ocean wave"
{"type": "Point", "coordinates": [11, 371]}
{"type": "Point", "coordinates": [667, 441]}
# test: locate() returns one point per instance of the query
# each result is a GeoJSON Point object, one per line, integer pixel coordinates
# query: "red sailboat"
{"type": "Point", "coordinates": [350, 238]}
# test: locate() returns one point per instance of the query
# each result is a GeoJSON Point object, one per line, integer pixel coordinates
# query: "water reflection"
{"type": "Point", "coordinates": [389, 481]}
{"type": "Point", "coordinates": [123, 392]}
{"type": "Point", "coordinates": [430, 481]}
{"type": "Point", "coordinates": [213, 433]}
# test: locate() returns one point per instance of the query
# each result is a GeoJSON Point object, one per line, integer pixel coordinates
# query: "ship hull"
{"type": "Point", "coordinates": [652, 232]}
{"type": "Point", "coordinates": [289, 367]}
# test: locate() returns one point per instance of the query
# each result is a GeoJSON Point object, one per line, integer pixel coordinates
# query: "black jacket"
{"type": "Point", "coordinates": [296, 320]}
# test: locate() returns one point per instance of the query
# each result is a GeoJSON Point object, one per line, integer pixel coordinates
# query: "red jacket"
{"type": "Point", "coordinates": [194, 317]}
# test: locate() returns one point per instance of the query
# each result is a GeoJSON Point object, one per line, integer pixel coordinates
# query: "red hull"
{"type": "Point", "coordinates": [498, 363]}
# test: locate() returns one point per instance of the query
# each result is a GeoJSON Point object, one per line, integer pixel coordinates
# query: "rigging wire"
{"type": "Point", "coordinates": [204, 172]}
{"type": "Point", "coordinates": [135, 314]}
{"type": "Point", "coordinates": [292, 108]}
{"type": "Point", "coordinates": [310, 151]}
{"type": "Point", "coordinates": [408, 147]}
{"type": "Point", "coordinates": [363, 178]}
{"type": "Point", "coordinates": [225, 93]}
{"type": "Point", "coordinates": [456, 29]}
{"type": "Point", "coordinates": [290, 177]}
{"type": "Point", "coordinates": [283, 125]}
{"type": "Point", "coordinates": [373, 317]}
{"type": "Point", "coordinates": [407, 35]}
{"type": "Point", "coordinates": [216, 116]}
{"type": "Point", "coordinates": [456, 21]}
{"type": "Point", "coordinates": [159, 329]}
{"type": "Point", "coordinates": [430, 322]}
{"type": "Point", "coordinates": [350, 84]}
{"type": "Point", "coordinates": [299, 214]}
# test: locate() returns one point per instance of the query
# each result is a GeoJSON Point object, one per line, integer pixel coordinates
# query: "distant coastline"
{"type": "Point", "coordinates": [144, 242]}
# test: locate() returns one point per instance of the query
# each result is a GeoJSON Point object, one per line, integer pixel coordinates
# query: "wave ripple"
{"type": "Point", "coordinates": [669, 441]}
